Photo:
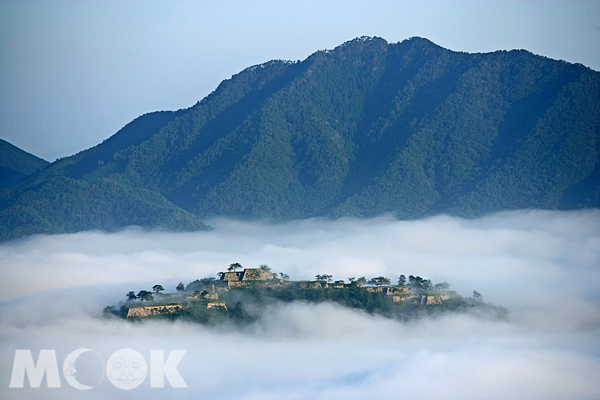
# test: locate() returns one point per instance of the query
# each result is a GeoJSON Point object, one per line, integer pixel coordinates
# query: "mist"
{"type": "Point", "coordinates": [543, 266]}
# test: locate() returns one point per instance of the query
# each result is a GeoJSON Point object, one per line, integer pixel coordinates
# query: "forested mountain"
{"type": "Point", "coordinates": [367, 128]}
{"type": "Point", "coordinates": [16, 164]}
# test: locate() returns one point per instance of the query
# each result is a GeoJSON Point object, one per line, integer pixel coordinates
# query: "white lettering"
{"type": "Point", "coordinates": [159, 369]}
{"type": "Point", "coordinates": [23, 364]}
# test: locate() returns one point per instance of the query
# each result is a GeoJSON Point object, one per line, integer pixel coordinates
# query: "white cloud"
{"type": "Point", "coordinates": [542, 266]}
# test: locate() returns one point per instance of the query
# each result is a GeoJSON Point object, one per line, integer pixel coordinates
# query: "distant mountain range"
{"type": "Point", "coordinates": [370, 127]}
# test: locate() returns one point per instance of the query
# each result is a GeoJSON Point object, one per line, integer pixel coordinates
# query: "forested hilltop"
{"type": "Point", "coordinates": [367, 128]}
{"type": "Point", "coordinates": [247, 296]}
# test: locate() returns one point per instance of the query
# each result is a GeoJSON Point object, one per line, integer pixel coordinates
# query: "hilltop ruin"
{"type": "Point", "coordinates": [204, 294]}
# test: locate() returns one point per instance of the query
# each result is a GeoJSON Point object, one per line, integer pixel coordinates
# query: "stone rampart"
{"type": "Point", "coordinates": [256, 274]}
{"type": "Point", "coordinates": [232, 276]}
{"type": "Point", "coordinates": [143, 312]}
{"type": "Point", "coordinates": [216, 305]}
{"type": "Point", "coordinates": [436, 299]}
{"type": "Point", "coordinates": [399, 297]}
{"type": "Point", "coordinates": [261, 284]}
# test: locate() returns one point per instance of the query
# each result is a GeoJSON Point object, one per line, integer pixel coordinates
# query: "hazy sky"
{"type": "Point", "coordinates": [72, 73]}
{"type": "Point", "coordinates": [541, 265]}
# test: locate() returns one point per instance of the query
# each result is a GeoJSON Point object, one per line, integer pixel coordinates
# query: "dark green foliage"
{"type": "Point", "coordinates": [157, 289]}
{"type": "Point", "coordinates": [203, 284]}
{"type": "Point", "coordinates": [367, 128]}
{"type": "Point", "coordinates": [235, 266]}
{"type": "Point", "coordinates": [16, 164]}
{"type": "Point", "coordinates": [380, 281]}
{"type": "Point", "coordinates": [65, 205]}
{"type": "Point", "coordinates": [145, 295]}
{"type": "Point", "coordinates": [418, 284]}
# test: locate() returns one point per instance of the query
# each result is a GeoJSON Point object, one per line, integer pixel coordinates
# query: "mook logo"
{"type": "Point", "coordinates": [84, 369]}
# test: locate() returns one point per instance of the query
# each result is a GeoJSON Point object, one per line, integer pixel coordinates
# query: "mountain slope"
{"type": "Point", "coordinates": [367, 128]}
{"type": "Point", "coordinates": [16, 164]}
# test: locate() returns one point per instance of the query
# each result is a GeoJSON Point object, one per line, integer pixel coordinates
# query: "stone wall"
{"type": "Point", "coordinates": [232, 276]}
{"type": "Point", "coordinates": [436, 299]}
{"type": "Point", "coordinates": [261, 284]}
{"type": "Point", "coordinates": [249, 274]}
{"type": "Point", "coordinates": [143, 312]}
{"type": "Point", "coordinates": [216, 305]}
{"type": "Point", "coordinates": [256, 274]}
{"type": "Point", "coordinates": [231, 284]}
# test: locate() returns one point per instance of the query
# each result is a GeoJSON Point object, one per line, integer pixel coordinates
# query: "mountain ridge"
{"type": "Point", "coordinates": [17, 164]}
{"type": "Point", "coordinates": [364, 129]}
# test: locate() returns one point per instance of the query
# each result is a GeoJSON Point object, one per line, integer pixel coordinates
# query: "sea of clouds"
{"type": "Point", "coordinates": [543, 266]}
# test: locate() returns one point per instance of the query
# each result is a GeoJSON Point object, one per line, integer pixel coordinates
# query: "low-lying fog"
{"type": "Point", "coordinates": [544, 267]}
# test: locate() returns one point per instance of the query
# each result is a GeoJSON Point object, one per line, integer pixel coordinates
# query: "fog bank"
{"type": "Point", "coordinates": [543, 266]}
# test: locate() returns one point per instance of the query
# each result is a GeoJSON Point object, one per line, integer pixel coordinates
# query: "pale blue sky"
{"type": "Point", "coordinates": [72, 73]}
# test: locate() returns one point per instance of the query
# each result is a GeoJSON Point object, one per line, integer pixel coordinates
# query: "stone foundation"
{"type": "Point", "coordinates": [148, 311]}
{"type": "Point", "coordinates": [216, 305]}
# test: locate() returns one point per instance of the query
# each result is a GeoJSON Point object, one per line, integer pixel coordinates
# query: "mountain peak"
{"type": "Point", "coordinates": [364, 129]}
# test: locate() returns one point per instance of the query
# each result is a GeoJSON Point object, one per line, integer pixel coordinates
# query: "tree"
{"type": "Point", "coordinates": [351, 279]}
{"type": "Point", "coordinates": [362, 279]}
{"type": "Point", "coordinates": [477, 296]}
{"type": "Point", "coordinates": [411, 281]}
{"type": "Point", "coordinates": [426, 284]}
{"type": "Point", "coordinates": [418, 284]}
{"type": "Point", "coordinates": [264, 267]}
{"type": "Point", "coordinates": [157, 289]}
{"type": "Point", "coordinates": [324, 278]}
{"type": "Point", "coordinates": [283, 276]}
{"type": "Point", "coordinates": [442, 286]}
{"type": "Point", "coordinates": [108, 311]}
{"type": "Point", "coordinates": [180, 287]}
{"type": "Point", "coordinates": [401, 280]}
{"type": "Point", "coordinates": [234, 266]}
{"type": "Point", "coordinates": [145, 295]}
{"type": "Point", "coordinates": [131, 296]}
{"type": "Point", "coordinates": [379, 281]}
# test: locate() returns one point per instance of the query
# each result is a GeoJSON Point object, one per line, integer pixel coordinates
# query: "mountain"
{"type": "Point", "coordinates": [16, 164]}
{"type": "Point", "coordinates": [370, 127]}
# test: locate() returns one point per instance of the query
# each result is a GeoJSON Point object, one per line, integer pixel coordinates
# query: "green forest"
{"type": "Point", "coordinates": [16, 165]}
{"type": "Point", "coordinates": [367, 128]}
